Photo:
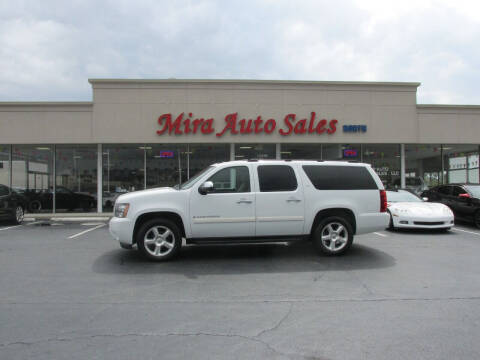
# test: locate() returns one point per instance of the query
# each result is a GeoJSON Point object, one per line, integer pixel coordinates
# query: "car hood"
{"type": "Point", "coordinates": [419, 208]}
{"type": "Point", "coordinates": [135, 195]}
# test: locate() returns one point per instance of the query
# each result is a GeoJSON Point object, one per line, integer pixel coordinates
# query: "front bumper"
{"type": "Point", "coordinates": [418, 222]}
{"type": "Point", "coordinates": [122, 230]}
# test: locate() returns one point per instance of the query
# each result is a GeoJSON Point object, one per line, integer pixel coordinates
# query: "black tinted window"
{"type": "Point", "coordinates": [231, 180]}
{"type": "Point", "coordinates": [330, 177]}
{"type": "Point", "coordinates": [276, 178]}
{"type": "Point", "coordinates": [457, 190]}
{"type": "Point", "coordinates": [445, 190]}
{"type": "Point", "coordinates": [3, 190]}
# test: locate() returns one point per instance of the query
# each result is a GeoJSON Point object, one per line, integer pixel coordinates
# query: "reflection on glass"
{"type": "Point", "coordinates": [123, 171]}
{"type": "Point", "coordinates": [385, 160]}
{"type": "Point", "coordinates": [461, 163]}
{"type": "Point", "coordinates": [32, 169]}
{"type": "Point", "coordinates": [76, 178]}
{"type": "Point", "coordinates": [166, 164]}
{"type": "Point", "coordinates": [5, 165]}
{"type": "Point", "coordinates": [301, 151]}
{"type": "Point", "coordinates": [254, 151]}
{"type": "Point", "coordinates": [202, 155]}
{"type": "Point", "coordinates": [423, 164]}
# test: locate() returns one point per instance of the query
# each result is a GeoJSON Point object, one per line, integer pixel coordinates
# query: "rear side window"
{"type": "Point", "coordinates": [327, 177]}
{"type": "Point", "coordinates": [276, 178]}
{"type": "Point", "coordinates": [445, 190]}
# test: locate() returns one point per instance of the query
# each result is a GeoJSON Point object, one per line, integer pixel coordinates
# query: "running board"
{"type": "Point", "coordinates": [246, 240]}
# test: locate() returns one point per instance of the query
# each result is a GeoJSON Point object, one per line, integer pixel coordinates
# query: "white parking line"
{"type": "Point", "coordinates": [470, 232]}
{"type": "Point", "coordinates": [10, 227]}
{"type": "Point", "coordinates": [380, 234]}
{"type": "Point", "coordinates": [33, 223]}
{"type": "Point", "coordinates": [86, 231]}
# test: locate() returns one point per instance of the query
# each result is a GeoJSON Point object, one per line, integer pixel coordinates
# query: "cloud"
{"type": "Point", "coordinates": [49, 49]}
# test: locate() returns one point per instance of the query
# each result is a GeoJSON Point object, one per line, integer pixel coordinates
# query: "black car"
{"type": "Point", "coordinates": [65, 199]}
{"type": "Point", "coordinates": [12, 205]}
{"type": "Point", "coordinates": [463, 199]}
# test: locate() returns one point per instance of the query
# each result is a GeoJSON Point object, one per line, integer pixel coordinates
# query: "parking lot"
{"type": "Point", "coordinates": [69, 292]}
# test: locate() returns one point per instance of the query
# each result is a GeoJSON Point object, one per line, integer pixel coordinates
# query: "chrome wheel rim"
{"type": "Point", "coordinates": [19, 214]}
{"type": "Point", "coordinates": [159, 241]}
{"type": "Point", "coordinates": [334, 236]}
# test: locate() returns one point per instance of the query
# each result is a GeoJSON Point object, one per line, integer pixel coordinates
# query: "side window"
{"type": "Point", "coordinates": [444, 190]}
{"type": "Point", "coordinates": [276, 178]}
{"type": "Point", "coordinates": [337, 177]}
{"type": "Point", "coordinates": [457, 190]}
{"type": "Point", "coordinates": [234, 179]}
{"type": "Point", "coordinates": [3, 190]}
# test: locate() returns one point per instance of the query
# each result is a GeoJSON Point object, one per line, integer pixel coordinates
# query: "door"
{"type": "Point", "coordinates": [280, 208]}
{"type": "Point", "coordinates": [460, 204]}
{"type": "Point", "coordinates": [228, 210]}
{"type": "Point", "coordinates": [4, 201]}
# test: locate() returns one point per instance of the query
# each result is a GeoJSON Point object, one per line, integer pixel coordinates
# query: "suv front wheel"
{"type": "Point", "coordinates": [333, 236]}
{"type": "Point", "coordinates": [159, 239]}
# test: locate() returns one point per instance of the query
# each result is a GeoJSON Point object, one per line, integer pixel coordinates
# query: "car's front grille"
{"type": "Point", "coordinates": [428, 223]}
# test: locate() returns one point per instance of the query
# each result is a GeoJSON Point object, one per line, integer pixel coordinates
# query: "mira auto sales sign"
{"type": "Point", "coordinates": [186, 123]}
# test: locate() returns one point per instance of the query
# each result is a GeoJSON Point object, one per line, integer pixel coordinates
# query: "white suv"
{"type": "Point", "coordinates": [255, 201]}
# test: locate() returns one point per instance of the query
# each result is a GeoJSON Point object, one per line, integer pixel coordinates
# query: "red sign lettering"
{"type": "Point", "coordinates": [187, 124]}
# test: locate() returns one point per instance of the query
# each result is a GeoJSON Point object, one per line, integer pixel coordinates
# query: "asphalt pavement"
{"type": "Point", "coordinates": [67, 291]}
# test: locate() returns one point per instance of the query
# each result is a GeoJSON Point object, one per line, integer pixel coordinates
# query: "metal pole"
{"type": "Point", "coordinates": [10, 177]}
{"type": "Point", "coordinates": [278, 149]}
{"type": "Point", "coordinates": [144, 166]}
{"type": "Point", "coordinates": [443, 166]}
{"type": "Point", "coordinates": [99, 178]}
{"type": "Point", "coordinates": [188, 161]}
{"type": "Point", "coordinates": [232, 152]}
{"type": "Point", "coordinates": [402, 166]}
{"type": "Point", "coordinates": [54, 205]}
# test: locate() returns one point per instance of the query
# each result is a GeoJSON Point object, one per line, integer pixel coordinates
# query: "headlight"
{"type": "Point", "coordinates": [446, 210]}
{"type": "Point", "coordinates": [121, 210]}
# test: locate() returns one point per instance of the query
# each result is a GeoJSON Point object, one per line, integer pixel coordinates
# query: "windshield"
{"type": "Point", "coordinates": [475, 190]}
{"type": "Point", "coordinates": [190, 182]}
{"type": "Point", "coordinates": [402, 196]}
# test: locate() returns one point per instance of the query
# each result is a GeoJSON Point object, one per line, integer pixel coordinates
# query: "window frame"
{"type": "Point", "coordinates": [277, 191]}
{"type": "Point", "coordinates": [231, 192]}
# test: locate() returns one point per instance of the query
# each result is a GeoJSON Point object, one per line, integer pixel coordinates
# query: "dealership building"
{"type": "Point", "coordinates": [138, 134]}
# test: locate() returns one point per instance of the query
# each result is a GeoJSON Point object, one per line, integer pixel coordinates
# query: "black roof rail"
{"type": "Point", "coordinates": [252, 160]}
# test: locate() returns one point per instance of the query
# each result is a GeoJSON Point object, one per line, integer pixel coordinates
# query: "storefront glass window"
{"type": "Point", "coordinates": [76, 178]}
{"type": "Point", "coordinates": [461, 163]}
{"type": "Point", "coordinates": [344, 152]}
{"type": "Point", "coordinates": [123, 171]}
{"type": "Point", "coordinates": [385, 159]}
{"type": "Point", "coordinates": [166, 164]}
{"type": "Point", "coordinates": [301, 151]}
{"type": "Point", "coordinates": [5, 165]}
{"type": "Point", "coordinates": [199, 156]}
{"type": "Point", "coordinates": [32, 175]}
{"type": "Point", "coordinates": [423, 166]}
{"type": "Point", "coordinates": [254, 151]}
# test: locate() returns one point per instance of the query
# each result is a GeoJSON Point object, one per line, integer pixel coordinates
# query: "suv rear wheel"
{"type": "Point", "coordinates": [333, 236]}
{"type": "Point", "coordinates": [159, 239]}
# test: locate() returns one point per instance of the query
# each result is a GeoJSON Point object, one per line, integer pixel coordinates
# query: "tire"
{"type": "Point", "coordinates": [18, 215]}
{"type": "Point", "coordinates": [152, 243]}
{"type": "Point", "coordinates": [328, 227]}
{"type": "Point", "coordinates": [35, 206]}
{"type": "Point", "coordinates": [390, 224]}
{"type": "Point", "coordinates": [476, 219]}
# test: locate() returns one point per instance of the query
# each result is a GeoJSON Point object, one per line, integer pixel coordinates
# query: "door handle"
{"type": "Point", "coordinates": [244, 201]}
{"type": "Point", "coordinates": [293, 200]}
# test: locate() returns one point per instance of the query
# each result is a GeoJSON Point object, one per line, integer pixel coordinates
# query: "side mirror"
{"type": "Point", "coordinates": [425, 198]}
{"type": "Point", "coordinates": [205, 188]}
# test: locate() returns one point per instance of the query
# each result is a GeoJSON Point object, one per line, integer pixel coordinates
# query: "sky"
{"type": "Point", "coordinates": [49, 49]}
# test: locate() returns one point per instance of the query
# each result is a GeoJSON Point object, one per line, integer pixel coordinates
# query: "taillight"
{"type": "Point", "coordinates": [383, 201]}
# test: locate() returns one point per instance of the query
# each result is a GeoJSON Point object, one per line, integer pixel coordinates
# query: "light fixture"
{"type": "Point", "coordinates": [145, 147]}
{"type": "Point", "coordinates": [239, 156]}
{"type": "Point", "coordinates": [42, 148]}
{"type": "Point", "coordinates": [285, 152]}
{"type": "Point", "coordinates": [245, 147]}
